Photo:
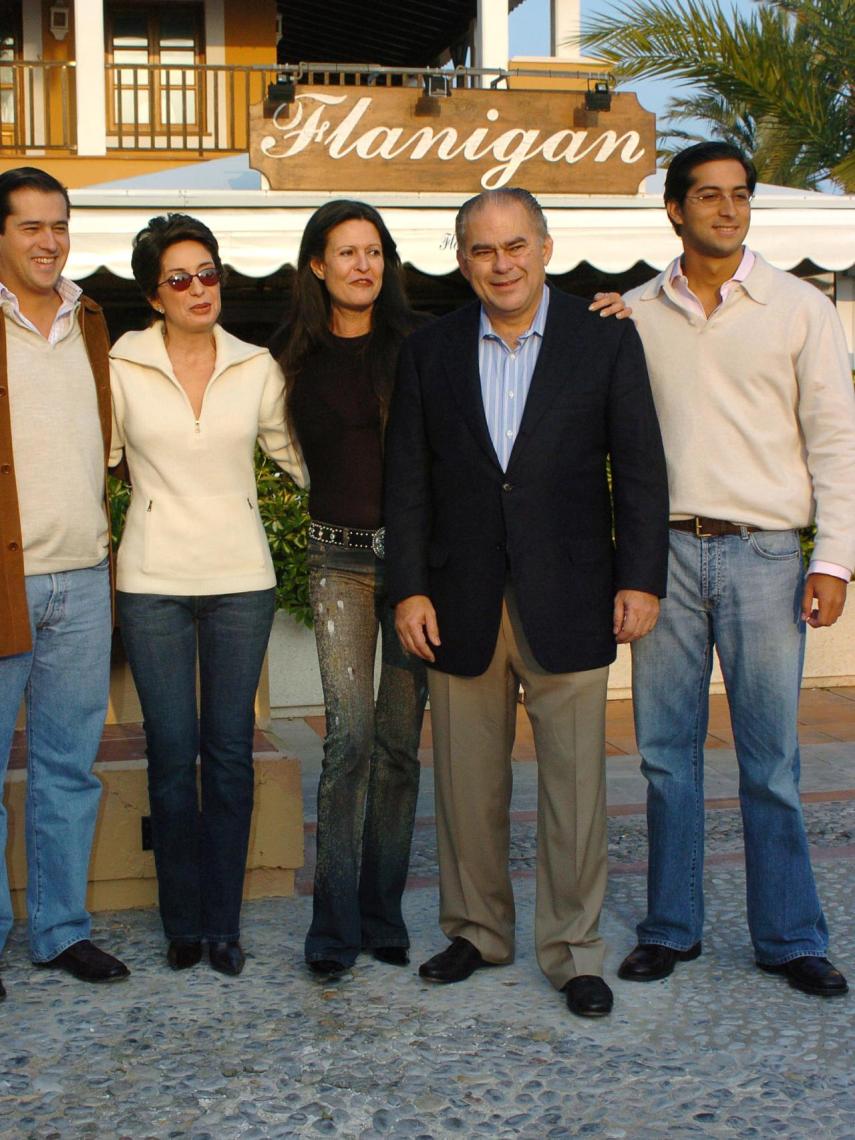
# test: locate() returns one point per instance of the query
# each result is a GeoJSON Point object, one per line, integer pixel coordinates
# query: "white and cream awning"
{"type": "Point", "coordinates": [259, 231]}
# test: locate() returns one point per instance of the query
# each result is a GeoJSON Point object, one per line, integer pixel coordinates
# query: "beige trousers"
{"type": "Point", "coordinates": [473, 721]}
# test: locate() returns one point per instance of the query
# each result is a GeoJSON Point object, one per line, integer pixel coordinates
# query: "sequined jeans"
{"type": "Point", "coordinates": [370, 777]}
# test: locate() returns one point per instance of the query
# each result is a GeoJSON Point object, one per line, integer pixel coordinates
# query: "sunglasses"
{"type": "Point", "coordinates": [181, 281]}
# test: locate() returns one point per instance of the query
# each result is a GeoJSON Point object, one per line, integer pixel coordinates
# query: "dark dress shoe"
{"type": "Point", "coordinates": [183, 955]}
{"type": "Point", "coordinates": [391, 955]}
{"type": "Point", "coordinates": [454, 964]}
{"type": "Point", "coordinates": [2, 992]}
{"type": "Point", "coordinates": [811, 975]}
{"type": "Point", "coordinates": [588, 996]}
{"type": "Point", "coordinates": [327, 967]}
{"type": "Point", "coordinates": [226, 958]}
{"type": "Point", "coordinates": [649, 963]}
{"type": "Point", "coordinates": [84, 961]}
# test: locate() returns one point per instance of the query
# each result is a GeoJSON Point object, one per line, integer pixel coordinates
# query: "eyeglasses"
{"type": "Point", "coordinates": [741, 199]}
{"type": "Point", "coordinates": [182, 281]}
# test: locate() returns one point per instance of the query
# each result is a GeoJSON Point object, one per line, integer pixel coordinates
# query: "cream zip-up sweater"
{"type": "Point", "coordinates": [193, 526]}
{"type": "Point", "coordinates": [756, 406]}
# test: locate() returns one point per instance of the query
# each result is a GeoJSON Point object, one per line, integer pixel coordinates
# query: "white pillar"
{"type": "Point", "coordinates": [564, 23]}
{"type": "Point", "coordinates": [90, 77]}
{"type": "Point", "coordinates": [491, 35]}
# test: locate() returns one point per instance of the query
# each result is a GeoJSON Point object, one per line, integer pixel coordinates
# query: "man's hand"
{"type": "Point", "coordinates": [635, 614]}
{"type": "Point", "coordinates": [823, 599]}
{"type": "Point", "coordinates": [415, 623]}
{"type": "Point", "coordinates": [609, 305]}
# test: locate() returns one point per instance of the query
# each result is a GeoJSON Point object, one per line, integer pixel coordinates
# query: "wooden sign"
{"type": "Point", "coordinates": [352, 139]}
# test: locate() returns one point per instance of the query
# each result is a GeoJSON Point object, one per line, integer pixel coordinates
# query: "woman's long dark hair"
{"type": "Point", "coordinates": [307, 327]}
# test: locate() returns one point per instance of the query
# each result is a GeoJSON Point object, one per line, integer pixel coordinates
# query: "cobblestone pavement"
{"type": "Point", "coordinates": [717, 1050]}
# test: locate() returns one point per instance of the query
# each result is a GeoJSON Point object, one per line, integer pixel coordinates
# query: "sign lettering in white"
{"type": "Point", "coordinates": [329, 139]}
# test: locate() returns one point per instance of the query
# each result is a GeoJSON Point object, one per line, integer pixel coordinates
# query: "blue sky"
{"type": "Point", "coordinates": [529, 34]}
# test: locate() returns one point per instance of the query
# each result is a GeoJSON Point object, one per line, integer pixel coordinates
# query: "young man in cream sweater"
{"type": "Point", "coordinates": [753, 389]}
{"type": "Point", "coordinates": [54, 574]}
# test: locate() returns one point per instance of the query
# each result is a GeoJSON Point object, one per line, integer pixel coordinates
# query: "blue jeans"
{"type": "Point", "coordinates": [741, 594]}
{"type": "Point", "coordinates": [200, 855]}
{"type": "Point", "coordinates": [65, 681]}
{"type": "Point", "coordinates": [370, 778]}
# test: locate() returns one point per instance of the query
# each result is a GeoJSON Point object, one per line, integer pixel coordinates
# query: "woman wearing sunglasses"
{"type": "Point", "coordinates": [195, 578]}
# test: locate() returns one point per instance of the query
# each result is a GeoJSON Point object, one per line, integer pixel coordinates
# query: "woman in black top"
{"type": "Point", "coordinates": [348, 317]}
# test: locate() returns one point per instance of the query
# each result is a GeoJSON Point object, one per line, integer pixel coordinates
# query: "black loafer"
{"type": "Point", "coordinates": [588, 996]}
{"type": "Point", "coordinates": [328, 967]}
{"type": "Point", "coordinates": [454, 964]}
{"type": "Point", "coordinates": [811, 975]}
{"type": "Point", "coordinates": [391, 955]}
{"type": "Point", "coordinates": [226, 958]}
{"type": "Point", "coordinates": [649, 963]}
{"type": "Point", "coordinates": [84, 961]}
{"type": "Point", "coordinates": [183, 955]}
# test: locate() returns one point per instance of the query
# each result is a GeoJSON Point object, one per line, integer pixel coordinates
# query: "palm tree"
{"type": "Point", "coordinates": [777, 81]}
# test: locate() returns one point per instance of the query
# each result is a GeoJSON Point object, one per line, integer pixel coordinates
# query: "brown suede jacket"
{"type": "Point", "coordinates": [14, 618]}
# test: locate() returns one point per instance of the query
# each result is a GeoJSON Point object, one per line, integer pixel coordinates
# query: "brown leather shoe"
{"type": "Point", "coordinates": [811, 975]}
{"type": "Point", "coordinates": [84, 961]}
{"type": "Point", "coordinates": [588, 996]}
{"type": "Point", "coordinates": [453, 964]}
{"type": "Point", "coordinates": [649, 963]}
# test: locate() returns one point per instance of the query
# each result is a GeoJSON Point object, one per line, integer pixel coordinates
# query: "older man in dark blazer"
{"type": "Point", "coordinates": [510, 561]}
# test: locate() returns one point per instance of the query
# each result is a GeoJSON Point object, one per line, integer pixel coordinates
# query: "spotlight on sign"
{"type": "Point", "coordinates": [598, 97]}
{"type": "Point", "coordinates": [279, 94]}
{"type": "Point", "coordinates": [436, 87]}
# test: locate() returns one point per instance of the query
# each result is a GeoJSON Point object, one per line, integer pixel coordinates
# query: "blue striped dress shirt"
{"type": "Point", "coordinates": [505, 378]}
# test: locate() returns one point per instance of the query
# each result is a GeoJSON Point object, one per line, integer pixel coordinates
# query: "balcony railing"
{"type": "Point", "coordinates": [37, 107]}
{"type": "Point", "coordinates": [202, 109]}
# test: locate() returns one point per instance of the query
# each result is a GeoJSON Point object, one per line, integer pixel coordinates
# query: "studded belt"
{"type": "Point", "coordinates": [349, 536]}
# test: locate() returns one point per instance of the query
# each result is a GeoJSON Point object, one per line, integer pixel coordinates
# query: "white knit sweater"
{"type": "Point", "coordinates": [59, 452]}
{"type": "Point", "coordinates": [756, 406]}
{"type": "Point", "coordinates": [193, 526]}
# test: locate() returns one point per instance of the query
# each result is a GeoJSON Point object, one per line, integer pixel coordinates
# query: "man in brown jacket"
{"type": "Point", "coordinates": [54, 572]}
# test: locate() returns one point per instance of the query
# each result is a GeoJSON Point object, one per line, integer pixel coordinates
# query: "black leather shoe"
{"type": "Point", "coordinates": [226, 958]}
{"type": "Point", "coordinates": [454, 964]}
{"type": "Point", "coordinates": [811, 975]}
{"type": "Point", "coordinates": [2, 992]}
{"type": "Point", "coordinates": [183, 955]}
{"type": "Point", "coordinates": [588, 996]}
{"type": "Point", "coordinates": [84, 961]}
{"type": "Point", "coordinates": [327, 967]}
{"type": "Point", "coordinates": [391, 955]}
{"type": "Point", "coordinates": [649, 963]}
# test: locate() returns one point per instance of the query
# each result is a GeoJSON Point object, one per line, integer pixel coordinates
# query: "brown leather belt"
{"type": "Point", "coordinates": [709, 528]}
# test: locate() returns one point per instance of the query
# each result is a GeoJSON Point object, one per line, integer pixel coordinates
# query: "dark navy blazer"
{"type": "Point", "coordinates": [457, 526]}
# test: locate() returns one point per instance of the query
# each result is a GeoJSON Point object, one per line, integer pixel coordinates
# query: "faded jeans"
{"type": "Point", "coordinates": [370, 778]}
{"type": "Point", "coordinates": [741, 594]}
{"type": "Point", "coordinates": [200, 855]}
{"type": "Point", "coordinates": [65, 680]}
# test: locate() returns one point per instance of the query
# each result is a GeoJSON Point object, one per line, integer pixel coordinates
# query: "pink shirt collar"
{"type": "Point", "coordinates": [681, 285]}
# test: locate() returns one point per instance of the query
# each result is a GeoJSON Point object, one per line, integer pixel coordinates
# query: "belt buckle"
{"type": "Point", "coordinates": [701, 533]}
{"type": "Point", "coordinates": [378, 542]}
